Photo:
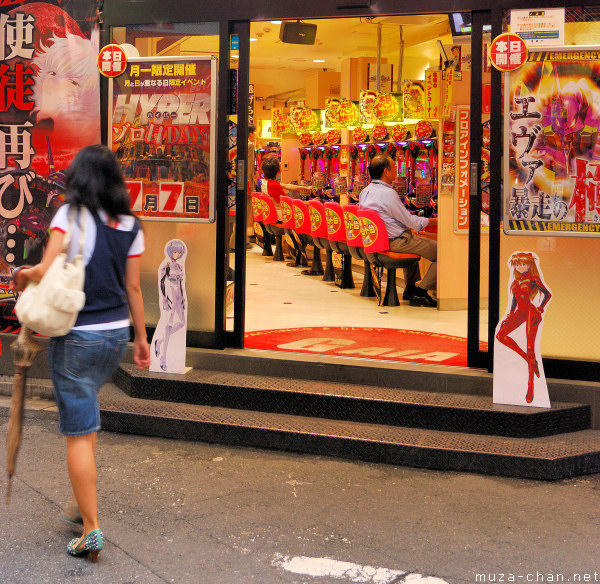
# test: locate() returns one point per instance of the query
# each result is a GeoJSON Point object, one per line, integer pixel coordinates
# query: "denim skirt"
{"type": "Point", "coordinates": [80, 363]}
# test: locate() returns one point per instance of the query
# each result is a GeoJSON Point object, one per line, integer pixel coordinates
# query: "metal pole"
{"type": "Point", "coordinates": [400, 59]}
{"type": "Point", "coordinates": [379, 57]}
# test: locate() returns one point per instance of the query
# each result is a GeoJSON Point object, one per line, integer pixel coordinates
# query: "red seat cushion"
{"type": "Point", "coordinates": [400, 256]}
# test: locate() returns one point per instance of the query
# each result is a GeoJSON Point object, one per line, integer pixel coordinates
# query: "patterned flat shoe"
{"type": "Point", "coordinates": [93, 542]}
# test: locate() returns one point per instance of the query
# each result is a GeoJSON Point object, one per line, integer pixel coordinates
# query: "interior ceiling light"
{"type": "Point", "coordinates": [252, 39]}
{"type": "Point", "coordinates": [275, 21]}
{"type": "Point", "coordinates": [318, 60]}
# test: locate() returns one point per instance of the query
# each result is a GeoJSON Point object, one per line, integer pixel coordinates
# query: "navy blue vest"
{"type": "Point", "coordinates": [105, 295]}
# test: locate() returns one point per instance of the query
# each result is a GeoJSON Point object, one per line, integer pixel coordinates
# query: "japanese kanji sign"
{"type": "Point", "coordinates": [112, 61]}
{"type": "Point", "coordinates": [508, 52]}
{"type": "Point", "coordinates": [49, 109]}
{"type": "Point", "coordinates": [163, 131]}
{"type": "Point", "coordinates": [552, 146]}
{"type": "Point", "coordinates": [463, 155]}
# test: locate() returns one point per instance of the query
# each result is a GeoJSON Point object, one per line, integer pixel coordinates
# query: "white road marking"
{"type": "Point", "coordinates": [322, 567]}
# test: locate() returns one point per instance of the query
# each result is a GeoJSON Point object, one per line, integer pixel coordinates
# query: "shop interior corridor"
{"type": "Point", "coordinates": [280, 298]}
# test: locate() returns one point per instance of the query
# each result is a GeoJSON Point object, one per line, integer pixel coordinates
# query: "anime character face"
{"type": "Point", "coordinates": [522, 262]}
{"type": "Point", "coordinates": [521, 267]}
{"type": "Point", "coordinates": [175, 249]}
{"type": "Point", "coordinates": [67, 87]}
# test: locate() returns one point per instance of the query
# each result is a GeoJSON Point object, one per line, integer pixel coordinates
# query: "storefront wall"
{"type": "Point", "coordinates": [569, 264]}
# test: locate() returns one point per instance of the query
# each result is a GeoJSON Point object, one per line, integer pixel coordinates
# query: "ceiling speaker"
{"type": "Point", "coordinates": [298, 33]}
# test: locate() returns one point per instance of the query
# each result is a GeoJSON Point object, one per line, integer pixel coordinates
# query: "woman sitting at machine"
{"type": "Point", "coordinates": [272, 187]}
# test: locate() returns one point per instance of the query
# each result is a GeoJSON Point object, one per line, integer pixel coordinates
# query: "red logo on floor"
{"type": "Point", "coordinates": [371, 343]}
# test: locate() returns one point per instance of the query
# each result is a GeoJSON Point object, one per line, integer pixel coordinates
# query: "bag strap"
{"type": "Point", "coordinates": [67, 238]}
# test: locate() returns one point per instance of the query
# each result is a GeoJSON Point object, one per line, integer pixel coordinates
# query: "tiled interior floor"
{"type": "Point", "coordinates": [279, 296]}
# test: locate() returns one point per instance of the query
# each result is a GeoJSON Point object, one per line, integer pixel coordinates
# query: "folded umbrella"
{"type": "Point", "coordinates": [24, 350]}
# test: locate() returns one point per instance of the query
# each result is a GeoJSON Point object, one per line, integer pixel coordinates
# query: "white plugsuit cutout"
{"type": "Point", "coordinates": [168, 348]}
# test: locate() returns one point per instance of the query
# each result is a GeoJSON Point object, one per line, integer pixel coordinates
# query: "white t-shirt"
{"type": "Point", "coordinates": [60, 222]}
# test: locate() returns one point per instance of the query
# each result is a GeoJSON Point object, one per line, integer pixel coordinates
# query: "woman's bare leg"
{"type": "Point", "coordinates": [81, 463]}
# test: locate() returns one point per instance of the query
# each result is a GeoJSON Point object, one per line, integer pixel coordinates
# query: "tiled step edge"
{"type": "Point", "coordinates": [546, 458]}
{"type": "Point", "coordinates": [359, 403]}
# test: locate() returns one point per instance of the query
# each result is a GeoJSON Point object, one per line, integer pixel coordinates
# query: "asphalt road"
{"type": "Point", "coordinates": [195, 513]}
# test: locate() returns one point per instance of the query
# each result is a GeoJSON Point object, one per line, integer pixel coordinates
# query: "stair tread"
{"type": "Point", "coordinates": [345, 390]}
{"type": "Point", "coordinates": [113, 399]}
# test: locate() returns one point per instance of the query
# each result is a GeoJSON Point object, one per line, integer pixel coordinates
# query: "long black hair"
{"type": "Point", "coordinates": [95, 180]}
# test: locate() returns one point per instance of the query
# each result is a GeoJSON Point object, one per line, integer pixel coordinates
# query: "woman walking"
{"type": "Point", "coordinates": [84, 359]}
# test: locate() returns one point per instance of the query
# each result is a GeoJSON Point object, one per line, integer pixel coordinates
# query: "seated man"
{"type": "Point", "coordinates": [383, 199]}
{"type": "Point", "coordinates": [271, 186]}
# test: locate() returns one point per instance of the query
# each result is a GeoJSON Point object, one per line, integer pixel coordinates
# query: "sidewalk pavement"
{"type": "Point", "coordinates": [196, 513]}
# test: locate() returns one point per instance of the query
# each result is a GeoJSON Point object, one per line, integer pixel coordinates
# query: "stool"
{"type": "Point", "coordinates": [262, 235]}
{"type": "Point", "coordinates": [377, 247]}
{"type": "Point", "coordinates": [336, 233]}
{"type": "Point", "coordinates": [303, 229]}
{"type": "Point", "coordinates": [293, 239]}
{"type": "Point", "coordinates": [355, 247]}
{"type": "Point", "coordinates": [272, 225]}
{"type": "Point", "coordinates": [318, 231]}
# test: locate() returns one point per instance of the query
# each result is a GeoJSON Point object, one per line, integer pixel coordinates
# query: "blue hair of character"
{"type": "Point", "coordinates": [175, 245]}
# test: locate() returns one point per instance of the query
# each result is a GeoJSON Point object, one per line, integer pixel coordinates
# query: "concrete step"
{"type": "Point", "coordinates": [391, 406]}
{"type": "Point", "coordinates": [548, 457]}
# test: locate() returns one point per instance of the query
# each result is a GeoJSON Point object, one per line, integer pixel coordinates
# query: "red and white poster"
{"type": "Point", "coordinates": [49, 110]}
{"type": "Point", "coordinates": [163, 131]}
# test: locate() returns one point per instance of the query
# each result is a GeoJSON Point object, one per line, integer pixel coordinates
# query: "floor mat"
{"type": "Point", "coordinates": [371, 343]}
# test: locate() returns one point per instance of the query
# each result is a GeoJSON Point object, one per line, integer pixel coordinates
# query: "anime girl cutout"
{"type": "Point", "coordinates": [168, 348]}
{"type": "Point", "coordinates": [528, 297]}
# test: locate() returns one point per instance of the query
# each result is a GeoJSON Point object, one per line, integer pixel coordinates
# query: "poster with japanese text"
{"type": "Point", "coordinates": [433, 84]}
{"type": "Point", "coordinates": [462, 183]}
{"type": "Point", "coordinates": [552, 147]}
{"type": "Point", "coordinates": [49, 110]}
{"type": "Point", "coordinates": [162, 124]}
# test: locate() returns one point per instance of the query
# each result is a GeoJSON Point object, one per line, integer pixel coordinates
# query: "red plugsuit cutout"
{"type": "Point", "coordinates": [524, 311]}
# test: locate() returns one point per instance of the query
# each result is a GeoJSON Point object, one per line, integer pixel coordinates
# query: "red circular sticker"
{"type": "Point", "coordinates": [399, 133]}
{"type": "Point", "coordinates": [359, 135]}
{"type": "Point", "coordinates": [380, 132]}
{"type": "Point", "coordinates": [423, 130]}
{"type": "Point", "coordinates": [508, 52]}
{"type": "Point", "coordinates": [112, 61]}
{"type": "Point", "coordinates": [333, 137]}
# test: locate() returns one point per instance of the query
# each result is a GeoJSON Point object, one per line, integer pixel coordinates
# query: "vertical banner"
{"type": "Point", "coordinates": [462, 182]}
{"type": "Point", "coordinates": [251, 96]}
{"type": "Point", "coordinates": [433, 83]}
{"type": "Point", "coordinates": [163, 131]}
{"type": "Point", "coordinates": [448, 85]}
{"type": "Point", "coordinates": [49, 110]}
{"type": "Point", "coordinates": [552, 144]}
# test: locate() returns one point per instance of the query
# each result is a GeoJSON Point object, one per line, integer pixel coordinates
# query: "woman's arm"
{"type": "Point", "coordinates": [22, 276]}
{"type": "Point", "coordinates": [292, 187]}
{"type": "Point", "coordinates": [141, 349]}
